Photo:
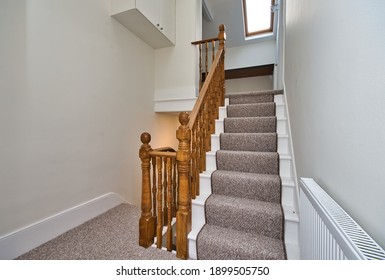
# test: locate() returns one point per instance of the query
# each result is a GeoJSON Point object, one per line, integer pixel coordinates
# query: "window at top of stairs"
{"type": "Point", "coordinates": [258, 16]}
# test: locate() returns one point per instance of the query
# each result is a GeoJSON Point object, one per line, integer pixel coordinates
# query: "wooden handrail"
{"type": "Point", "coordinates": [194, 135]}
{"type": "Point", "coordinates": [205, 41]}
{"type": "Point", "coordinates": [155, 153]}
{"type": "Point", "coordinates": [165, 149]}
{"type": "Point", "coordinates": [167, 192]}
{"type": "Point", "coordinates": [203, 91]}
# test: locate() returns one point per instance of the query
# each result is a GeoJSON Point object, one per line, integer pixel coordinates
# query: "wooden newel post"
{"type": "Point", "coordinates": [222, 35]}
{"type": "Point", "coordinates": [183, 156]}
{"type": "Point", "coordinates": [222, 40]}
{"type": "Point", "coordinates": [146, 221]}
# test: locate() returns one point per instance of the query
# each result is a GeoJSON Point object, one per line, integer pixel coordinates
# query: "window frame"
{"type": "Point", "coordinates": [260, 32]}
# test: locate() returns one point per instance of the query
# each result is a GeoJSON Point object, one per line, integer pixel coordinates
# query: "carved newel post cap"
{"type": "Point", "coordinates": [222, 33]}
{"type": "Point", "coordinates": [145, 137]}
{"type": "Point", "coordinates": [184, 118]}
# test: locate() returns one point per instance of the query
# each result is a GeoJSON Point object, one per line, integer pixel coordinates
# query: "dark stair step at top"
{"type": "Point", "coordinates": [215, 243]}
{"type": "Point", "coordinates": [252, 97]}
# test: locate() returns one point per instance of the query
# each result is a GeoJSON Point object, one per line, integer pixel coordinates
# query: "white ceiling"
{"type": "Point", "coordinates": [228, 12]}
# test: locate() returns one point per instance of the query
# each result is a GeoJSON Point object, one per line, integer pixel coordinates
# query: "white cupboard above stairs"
{"type": "Point", "coordinates": [151, 20]}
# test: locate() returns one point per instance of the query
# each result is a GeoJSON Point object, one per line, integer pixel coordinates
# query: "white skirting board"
{"type": "Point", "coordinates": [23, 240]}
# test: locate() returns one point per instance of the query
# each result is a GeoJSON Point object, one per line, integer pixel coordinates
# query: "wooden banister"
{"type": "Point", "coordinates": [147, 220]}
{"type": "Point", "coordinates": [205, 41]}
{"type": "Point", "coordinates": [175, 174]}
{"type": "Point", "coordinates": [194, 135]}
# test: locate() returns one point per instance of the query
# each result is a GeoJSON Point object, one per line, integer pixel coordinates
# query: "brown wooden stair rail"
{"type": "Point", "coordinates": [159, 202]}
{"type": "Point", "coordinates": [171, 196]}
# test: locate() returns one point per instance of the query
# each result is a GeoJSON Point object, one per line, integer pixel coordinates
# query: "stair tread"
{"type": "Point", "coordinates": [249, 215]}
{"type": "Point", "coordinates": [262, 162]}
{"type": "Point", "coordinates": [264, 142]}
{"type": "Point", "coordinates": [250, 124]}
{"type": "Point", "coordinates": [279, 135]}
{"type": "Point", "coordinates": [261, 92]}
{"type": "Point", "coordinates": [265, 187]}
{"type": "Point", "coordinates": [251, 110]}
{"type": "Point", "coordinates": [223, 243]}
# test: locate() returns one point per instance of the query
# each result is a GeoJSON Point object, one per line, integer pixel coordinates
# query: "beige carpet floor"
{"type": "Point", "coordinates": [114, 235]}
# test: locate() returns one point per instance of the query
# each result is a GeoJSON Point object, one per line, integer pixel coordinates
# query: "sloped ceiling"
{"type": "Point", "coordinates": [230, 13]}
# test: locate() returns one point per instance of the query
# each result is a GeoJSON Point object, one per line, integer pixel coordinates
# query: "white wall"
{"type": "Point", "coordinates": [76, 91]}
{"type": "Point", "coordinates": [176, 67]}
{"type": "Point", "coordinates": [335, 86]}
{"type": "Point", "coordinates": [257, 54]}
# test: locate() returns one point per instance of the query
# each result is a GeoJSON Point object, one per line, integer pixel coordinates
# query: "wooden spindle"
{"type": "Point", "coordinates": [206, 59]}
{"type": "Point", "coordinates": [202, 151]}
{"type": "Point", "coordinates": [146, 221]}
{"type": "Point", "coordinates": [196, 169]}
{"type": "Point", "coordinates": [169, 206]}
{"type": "Point", "coordinates": [159, 226]}
{"type": "Point", "coordinates": [153, 160]}
{"type": "Point", "coordinates": [193, 164]}
{"type": "Point", "coordinates": [165, 176]}
{"type": "Point", "coordinates": [183, 155]}
{"type": "Point", "coordinates": [200, 67]}
{"type": "Point", "coordinates": [174, 188]}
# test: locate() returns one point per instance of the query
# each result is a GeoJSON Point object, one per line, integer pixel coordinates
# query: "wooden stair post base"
{"type": "Point", "coordinates": [146, 221]}
{"type": "Point", "coordinates": [183, 216]}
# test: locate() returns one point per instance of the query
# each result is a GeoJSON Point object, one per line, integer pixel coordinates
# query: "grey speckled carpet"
{"type": "Point", "coordinates": [244, 217]}
{"type": "Point", "coordinates": [114, 235]}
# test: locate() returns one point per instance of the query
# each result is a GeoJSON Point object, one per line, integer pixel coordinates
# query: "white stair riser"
{"type": "Point", "coordinates": [215, 143]}
{"type": "Point", "coordinates": [192, 249]}
{"type": "Point", "coordinates": [281, 126]}
{"type": "Point", "coordinates": [211, 164]}
{"type": "Point", "coordinates": [204, 184]}
{"type": "Point", "coordinates": [218, 126]}
{"type": "Point", "coordinates": [284, 164]}
{"type": "Point", "coordinates": [222, 113]}
{"type": "Point", "coordinates": [198, 218]}
{"type": "Point", "coordinates": [287, 195]}
{"type": "Point", "coordinates": [278, 98]}
{"type": "Point", "coordinates": [285, 167]}
{"type": "Point", "coordinates": [283, 143]}
{"type": "Point", "coordinates": [280, 110]}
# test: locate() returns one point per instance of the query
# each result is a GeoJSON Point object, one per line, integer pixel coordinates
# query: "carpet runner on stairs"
{"type": "Point", "coordinates": [244, 216]}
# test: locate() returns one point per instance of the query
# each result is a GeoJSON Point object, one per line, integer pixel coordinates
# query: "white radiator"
{"type": "Point", "coordinates": [327, 232]}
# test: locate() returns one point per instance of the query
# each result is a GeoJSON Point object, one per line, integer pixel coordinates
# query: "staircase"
{"type": "Point", "coordinates": [245, 207]}
{"type": "Point", "coordinates": [228, 190]}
